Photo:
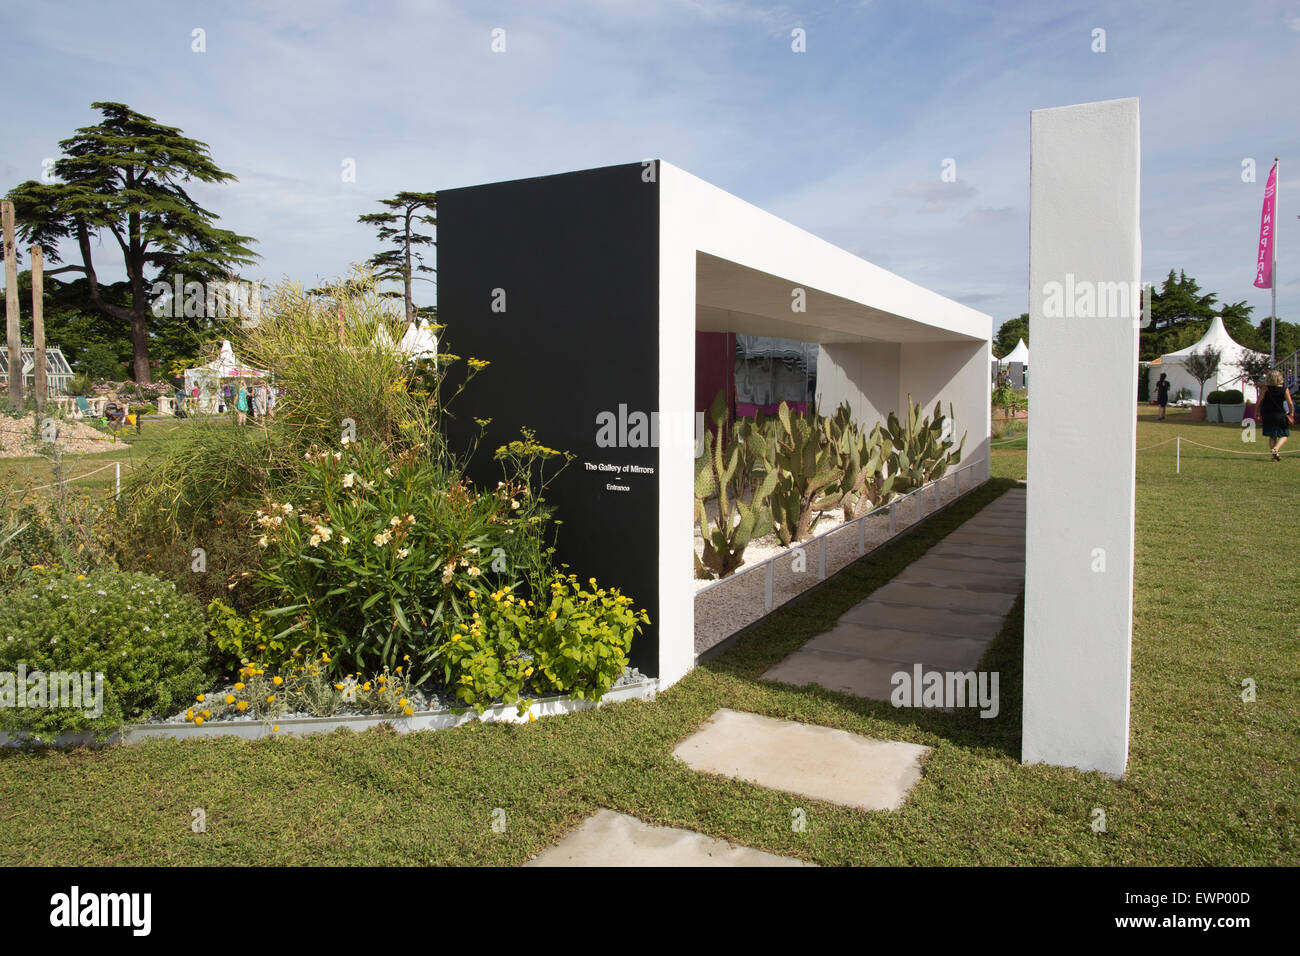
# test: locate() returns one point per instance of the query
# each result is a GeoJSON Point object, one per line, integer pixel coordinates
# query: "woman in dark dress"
{"type": "Point", "coordinates": [1276, 412]}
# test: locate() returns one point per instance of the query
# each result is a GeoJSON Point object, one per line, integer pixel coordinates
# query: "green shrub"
{"type": "Point", "coordinates": [145, 639]}
{"type": "Point", "coordinates": [239, 641]}
{"type": "Point", "coordinates": [381, 549]}
{"type": "Point", "coordinates": [1232, 396]}
{"type": "Point", "coordinates": [50, 529]}
{"type": "Point", "coordinates": [575, 642]}
{"type": "Point", "coordinates": [1214, 398]}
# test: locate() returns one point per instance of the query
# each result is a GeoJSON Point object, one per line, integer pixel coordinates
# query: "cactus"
{"type": "Point", "coordinates": [920, 454]}
{"type": "Point", "coordinates": [723, 472]}
{"type": "Point", "coordinates": [866, 478]}
{"type": "Point", "coordinates": [809, 473]}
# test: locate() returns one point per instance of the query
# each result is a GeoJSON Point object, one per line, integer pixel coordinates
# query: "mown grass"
{"type": "Point", "coordinates": [1212, 779]}
{"type": "Point", "coordinates": [86, 472]}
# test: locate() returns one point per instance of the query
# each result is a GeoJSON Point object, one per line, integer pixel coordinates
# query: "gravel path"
{"type": "Point", "coordinates": [729, 607]}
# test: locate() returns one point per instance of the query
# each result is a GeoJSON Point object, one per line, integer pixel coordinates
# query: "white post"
{"type": "Point", "coordinates": [117, 469]}
{"type": "Point", "coordinates": [767, 586]}
{"type": "Point", "coordinates": [892, 524]}
{"type": "Point", "coordinates": [821, 560]}
{"type": "Point", "coordinates": [1085, 255]}
{"type": "Point", "coordinates": [1178, 456]}
{"type": "Point", "coordinates": [862, 535]}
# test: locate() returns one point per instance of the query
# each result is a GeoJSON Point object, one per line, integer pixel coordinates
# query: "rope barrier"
{"type": "Point", "coordinates": [79, 477]}
{"type": "Point", "coordinates": [1229, 451]}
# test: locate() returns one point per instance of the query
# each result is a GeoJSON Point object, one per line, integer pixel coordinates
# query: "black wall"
{"type": "Point", "coordinates": [578, 257]}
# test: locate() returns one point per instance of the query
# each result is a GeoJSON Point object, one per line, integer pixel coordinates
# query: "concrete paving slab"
{"type": "Point", "coordinates": [958, 599]}
{"type": "Point", "coordinates": [616, 839]}
{"type": "Point", "coordinates": [867, 677]}
{"type": "Point", "coordinates": [974, 549]}
{"type": "Point", "coordinates": [949, 562]}
{"type": "Point", "coordinates": [921, 573]}
{"type": "Point", "coordinates": [903, 647]}
{"type": "Point", "coordinates": [817, 762]}
{"type": "Point", "coordinates": [927, 620]}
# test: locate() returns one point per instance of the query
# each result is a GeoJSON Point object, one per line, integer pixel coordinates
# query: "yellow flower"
{"type": "Point", "coordinates": [552, 616]}
{"type": "Point", "coordinates": [408, 711]}
{"type": "Point", "coordinates": [277, 680]}
{"type": "Point", "coordinates": [189, 715]}
{"type": "Point", "coordinates": [200, 698]}
{"type": "Point", "coordinates": [239, 686]}
{"type": "Point", "coordinates": [275, 729]}
{"type": "Point", "coordinates": [271, 699]}
{"type": "Point", "coordinates": [198, 721]}
{"type": "Point", "coordinates": [531, 717]}
{"type": "Point", "coordinates": [338, 686]}
{"type": "Point", "coordinates": [366, 686]}
{"type": "Point", "coordinates": [242, 705]}
{"type": "Point", "coordinates": [230, 698]}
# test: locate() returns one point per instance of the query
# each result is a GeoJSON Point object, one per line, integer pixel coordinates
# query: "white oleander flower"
{"type": "Point", "coordinates": [349, 479]}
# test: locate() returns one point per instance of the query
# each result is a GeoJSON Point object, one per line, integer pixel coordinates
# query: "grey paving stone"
{"type": "Point", "coordinates": [904, 647]}
{"type": "Point", "coordinates": [920, 572]}
{"type": "Point", "coordinates": [817, 762]}
{"type": "Point", "coordinates": [959, 599]}
{"type": "Point", "coordinates": [974, 549]}
{"type": "Point", "coordinates": [616, 839]}
{"type": "Point", "coordinates": [927, 620]}
{"type": "Point", "coordinates": [950, 562]}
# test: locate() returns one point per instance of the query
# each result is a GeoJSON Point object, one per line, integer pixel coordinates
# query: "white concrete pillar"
{"type": "Point", "coordinates": [1084, 300]}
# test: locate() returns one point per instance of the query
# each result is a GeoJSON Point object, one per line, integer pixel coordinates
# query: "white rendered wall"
{"type": "Point", "coordinates": [864, 374]}
{"type": "Point", "coordinates": [676, 400]}
{"type": "Point", "coordinates": [953, 373]}
{"type": "Point", "coordinates": [1084, 221]}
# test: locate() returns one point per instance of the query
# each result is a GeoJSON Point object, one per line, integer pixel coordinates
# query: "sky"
{"type": "Point", "coordinates": [847, 139]}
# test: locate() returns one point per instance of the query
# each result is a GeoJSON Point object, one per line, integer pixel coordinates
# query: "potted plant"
{"type": "Point", "coordinates": [1232, 406]}
{"type": "Point", "coordinates": [1203, 365]}
{"type": "Point", "coordinates": [1212, 405]}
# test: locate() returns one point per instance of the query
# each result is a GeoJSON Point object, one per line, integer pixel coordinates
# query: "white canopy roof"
{"type": "Point", "coordinates": [1018, 354]}
{"type": "Point", "coordinates": [1228, 376]}
{"type": "Point", "coordinates": [225, 365]}
{"type": "Point", "coordinates": [1217, 336]}
{"type": "Point", "coordinates": [419, 341]}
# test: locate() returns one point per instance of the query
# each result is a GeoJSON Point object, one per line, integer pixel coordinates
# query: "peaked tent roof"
{"type": "Point", "coordinates": [1217, 336]}
{"type": "Point", "coordinates": [227, 366]}
{"type": "Point", "coordinates": [1018, 354]}
{"type": "Point", "coordinates": [419, 341]}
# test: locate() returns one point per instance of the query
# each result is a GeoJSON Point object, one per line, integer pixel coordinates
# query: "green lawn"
{"type": "Point", "coordinates": [87, 471]}
{"type": "Point", "coordinates": [1212, 780]}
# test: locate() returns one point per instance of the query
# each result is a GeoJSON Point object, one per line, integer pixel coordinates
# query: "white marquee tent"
{"type": "Point", "coordinates": [209, 378]}
{"type": "Point", "coordinates": [1229, 375]}
{"type": "Point", "coordinates": [1018, 354]}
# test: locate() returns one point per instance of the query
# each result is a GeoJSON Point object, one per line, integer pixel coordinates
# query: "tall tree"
{"type": "Point", "coordinates": [1011, 332]}
{"type": "Point", "coordinates": [124, 176]}
{"type": "Point", "coordinates": [399, 226]}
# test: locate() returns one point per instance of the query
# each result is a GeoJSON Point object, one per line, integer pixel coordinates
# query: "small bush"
{"type": "Point", "coordinates": [145, 639]}
{"type": "Point", "coordinates": [1232, 396]}
{"type": "Point", "coordinates": [1214, 398]}
{"type": "Point", "coordinates": [576, 642]}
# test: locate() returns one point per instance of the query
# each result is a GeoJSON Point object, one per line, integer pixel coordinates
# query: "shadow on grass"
{"type": "Point", "coordinates": [760, 646]}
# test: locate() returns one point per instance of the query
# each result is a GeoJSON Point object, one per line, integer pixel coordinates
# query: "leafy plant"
{"type": "Point", "coordinates": [921, 452]}
{"type": "Point", "coordinates": [730, 454]}
{"type": "Point", "coordinates": [144, 638]}
{"type": "Point", "coordinates": [808, 473]}
{"type": "Point", "coordinates": [1203, 365]}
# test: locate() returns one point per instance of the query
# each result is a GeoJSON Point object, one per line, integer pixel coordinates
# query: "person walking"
{"type": "Point", "coordinates": [1162, 394]}
{"type": "Point", "coordinates": [241, 404]}
{"type": "Point", "coordinates": [1276, 412]}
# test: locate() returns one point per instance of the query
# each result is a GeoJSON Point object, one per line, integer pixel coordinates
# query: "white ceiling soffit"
{"type": "Point", "coordinates": [730, 297]}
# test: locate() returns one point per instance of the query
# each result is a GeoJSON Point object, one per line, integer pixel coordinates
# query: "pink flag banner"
{"type": "Point", "coordinates": [1264, 265]}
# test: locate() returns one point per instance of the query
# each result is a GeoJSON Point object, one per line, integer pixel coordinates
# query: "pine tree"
{"type": "Point", "coordinates": [406, 212]}
{"type": "Point", "coordinates": [125, 177]}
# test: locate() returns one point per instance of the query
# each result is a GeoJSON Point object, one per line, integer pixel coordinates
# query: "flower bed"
{"type": "Point", "coordinates": [632, 686]}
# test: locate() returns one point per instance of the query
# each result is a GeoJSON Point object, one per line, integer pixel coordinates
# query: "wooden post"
{"type": "Point", "coordinates": [41, 384]}
{"type": "Point", "coordinates": [13, 331]}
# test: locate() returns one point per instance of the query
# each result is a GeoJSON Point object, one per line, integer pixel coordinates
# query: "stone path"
{"type": "Point", "coordinates": [615, 839]}
{"type": "Point", "coordinates": [941, 612]}
{"type": "Point", "coordinates": [804, 759]}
